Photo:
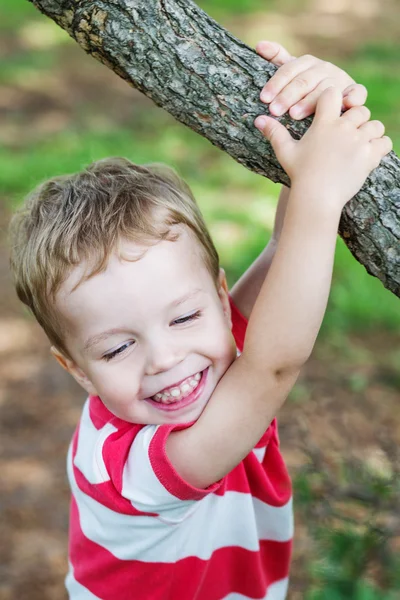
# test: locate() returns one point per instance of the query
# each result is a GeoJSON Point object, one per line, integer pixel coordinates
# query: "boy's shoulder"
{"type": "Point", "coordinates": [101, 442]}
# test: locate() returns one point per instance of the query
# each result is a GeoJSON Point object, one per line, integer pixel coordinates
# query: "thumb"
{"type": "Point", "coordinates": [329, 104]}
{"type": "Point", "coordinates": [275, 133]}
{"type": "Point", "coordinates": [274, 52]}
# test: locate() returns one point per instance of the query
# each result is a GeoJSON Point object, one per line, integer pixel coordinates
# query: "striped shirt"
{"type": "Point", "coordinates": [138, 531]}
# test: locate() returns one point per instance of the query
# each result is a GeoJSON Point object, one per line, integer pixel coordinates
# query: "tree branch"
{"type": "Point", "coordinates": [207, 79]}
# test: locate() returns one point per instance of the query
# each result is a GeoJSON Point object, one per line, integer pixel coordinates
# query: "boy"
{"type": "Point", "coordinates": [179, 489]}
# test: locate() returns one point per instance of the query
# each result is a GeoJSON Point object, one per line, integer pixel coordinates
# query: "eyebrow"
{"type": "Point", "coordinates": [187, 296]}
{"type": "Point", "coordinates": [95, 339]}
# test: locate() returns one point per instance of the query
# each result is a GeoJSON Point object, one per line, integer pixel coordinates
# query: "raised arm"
{"type": "Point", "coordinates": [295, 87]}
{"type": "Point", "coordinates": [290, 306]}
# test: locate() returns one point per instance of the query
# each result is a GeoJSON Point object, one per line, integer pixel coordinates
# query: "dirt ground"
{"type": "Point", "coordinates": [346, 405]}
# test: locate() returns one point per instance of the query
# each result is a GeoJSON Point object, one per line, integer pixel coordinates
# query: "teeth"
{"type": "Point", "coordinates": [179, 392]}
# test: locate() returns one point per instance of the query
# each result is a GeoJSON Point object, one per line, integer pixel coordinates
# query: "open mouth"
{"type": "Point", "coordinates": [180, 395]}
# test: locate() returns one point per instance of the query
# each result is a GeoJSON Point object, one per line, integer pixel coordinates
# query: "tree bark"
{"type": "Point", "coordinates": [178, 56]}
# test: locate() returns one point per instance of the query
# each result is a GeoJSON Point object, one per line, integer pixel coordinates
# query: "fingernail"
{"type": "Point", "coordinates": [260, 122]}
{"type": "Point", "coordinates": [276, 108]}
{"type": "Point", "coordinates": [266, 96]}
{"type": "Point", "coordinates": [268, 45]}
{"type": "Point", "coordinates": [296, 112]}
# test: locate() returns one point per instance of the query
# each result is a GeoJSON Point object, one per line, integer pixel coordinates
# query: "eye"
{"type": "Point", "coordinates": [119, 350]}
{"type": "Point", "coordinates": [192, 317]}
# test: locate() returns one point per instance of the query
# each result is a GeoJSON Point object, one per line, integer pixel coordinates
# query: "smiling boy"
{"type": "Point", "coordinates": [179, 490]}
{"type": "Point", "coordinates": [144, 371]}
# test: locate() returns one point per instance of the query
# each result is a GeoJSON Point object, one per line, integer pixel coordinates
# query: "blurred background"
{"type": "Point", "coordinates": [340, 428]}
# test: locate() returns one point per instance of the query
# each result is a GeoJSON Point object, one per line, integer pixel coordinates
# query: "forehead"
{"type": "Point", "coordinates": [147, 279]}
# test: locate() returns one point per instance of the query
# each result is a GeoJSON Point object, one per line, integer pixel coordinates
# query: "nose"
{"type": "Point", "coordinates": [162, 356]}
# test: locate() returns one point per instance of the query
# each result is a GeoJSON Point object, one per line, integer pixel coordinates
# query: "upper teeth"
{"type": "Point", "coordinates": [178, 391]}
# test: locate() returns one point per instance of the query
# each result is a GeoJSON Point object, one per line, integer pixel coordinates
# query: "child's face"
{"type": "Point", "coordinates": [130, 338]}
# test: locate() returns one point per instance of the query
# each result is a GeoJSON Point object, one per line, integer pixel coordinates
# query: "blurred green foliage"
{"type": "Point", "coordinates": [238, 205]}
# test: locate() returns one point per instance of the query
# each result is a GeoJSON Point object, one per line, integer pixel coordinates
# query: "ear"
{"type": "Point", "coordinates": [73, 369]}
{"type": "Point", "coordinates": [223, 293]}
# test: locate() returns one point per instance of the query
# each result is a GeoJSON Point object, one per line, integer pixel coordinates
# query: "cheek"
{"type": "Point", "coordinates": [221, 343]}
{"type": "Point", "coordinates": [117, 381]}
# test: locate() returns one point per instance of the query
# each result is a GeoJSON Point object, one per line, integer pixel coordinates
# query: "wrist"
{"type": "Point", "coordinates": [315, 202]}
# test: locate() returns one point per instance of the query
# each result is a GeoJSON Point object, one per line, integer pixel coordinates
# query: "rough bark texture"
{"type": "Point", "coordinates": [206, 78]}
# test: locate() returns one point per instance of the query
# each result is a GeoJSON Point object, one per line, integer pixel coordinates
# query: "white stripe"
{"type": "Point", "coordinates": [89, 453]}
{"type": "Point", "coordinates": [276, 591]}
{"type": "Point", "coordinates": [143, 488]}
{"type": "Point", "coordinates": [260, 453]}
{"type": "Point", "coordinates": [235, 519]}
{"type": "Point", "coordinates": [75, 590]}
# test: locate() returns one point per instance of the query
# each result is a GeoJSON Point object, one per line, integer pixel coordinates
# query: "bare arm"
{"type": "Point", "coordinates": [286, 89]}
{"type": "Point", "coordinates": [280, 335]}
{"type": "Point", "coordinates": [247, 288]}
{"type": "Point", "coordinates": [289, 309]}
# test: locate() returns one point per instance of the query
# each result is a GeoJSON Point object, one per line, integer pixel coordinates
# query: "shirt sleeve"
{"type": "Point", "coordinates": [151, 482]}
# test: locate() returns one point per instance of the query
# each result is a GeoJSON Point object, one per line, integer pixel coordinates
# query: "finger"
{"type": "Point", "coordinates": [307, 105]}
{"type": "Point", "coordinates": [273, 52]}
{"type": "Point", "coordinates": [329, 105]}
{"type": "Point", "coordinates": [275, 132]}
{"type": "Point", "coordinates": [354, 95]}
{"type": "Point", "coordinates": [372, 129]}
{"type": "Point", "coordinates": [357, 115]}
{"type": "Point", "coordinates": [304, 83]}
{"type": "Point", "coordinates": [381, 147]}
{"type": "Point", "coordinates": [284, 75]}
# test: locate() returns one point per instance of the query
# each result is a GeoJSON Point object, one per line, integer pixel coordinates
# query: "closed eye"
{"type": "Point", "coordinates": [180, 321]}
{"type": "Point", "coordinates": [192, 317]}
{"type": "Point", "coordinates": [119, 350]}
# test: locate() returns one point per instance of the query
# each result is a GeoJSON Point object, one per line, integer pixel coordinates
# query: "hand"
{"type": "Point", "coordinates": [335, 155]}
{"type": "Point", "coordinates": [299, 82]}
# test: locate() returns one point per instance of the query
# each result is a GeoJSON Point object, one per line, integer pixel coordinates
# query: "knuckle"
{"type": "Point", "coordinates": [377, 159]}
{"type": "Point", "coordinates": [301, 82]}
{"type": "Point", "coordinates": [346, 124]}
{"type": "Point", "coordinates": [389, 143]}
{"type": "Point", "coordinates": [328, 82]}
{"type": "Point", "coordinates": [363, 111]}
{"type": "Point", "coordinates": [328, 65]}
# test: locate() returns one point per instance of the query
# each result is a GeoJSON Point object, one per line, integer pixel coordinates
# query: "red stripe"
{"type": "Point", "coordinates": [269, 481]}
{"type": "Point", "coordinates": [165, 471]}
{"type": "Point", "coordinates": [230, 569]}
{"type": "Point", "coordinates": [105, 492]}
{"type": "Point", "coordinates": [116, 450]}
{"type": "Point", "coordinates": [239, 325]}
{"type": "Point", "coordinates": [99, 414]}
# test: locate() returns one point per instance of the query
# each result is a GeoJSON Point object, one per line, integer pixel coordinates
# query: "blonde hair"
{"type": "Point", "coordinates": [84, 216]}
